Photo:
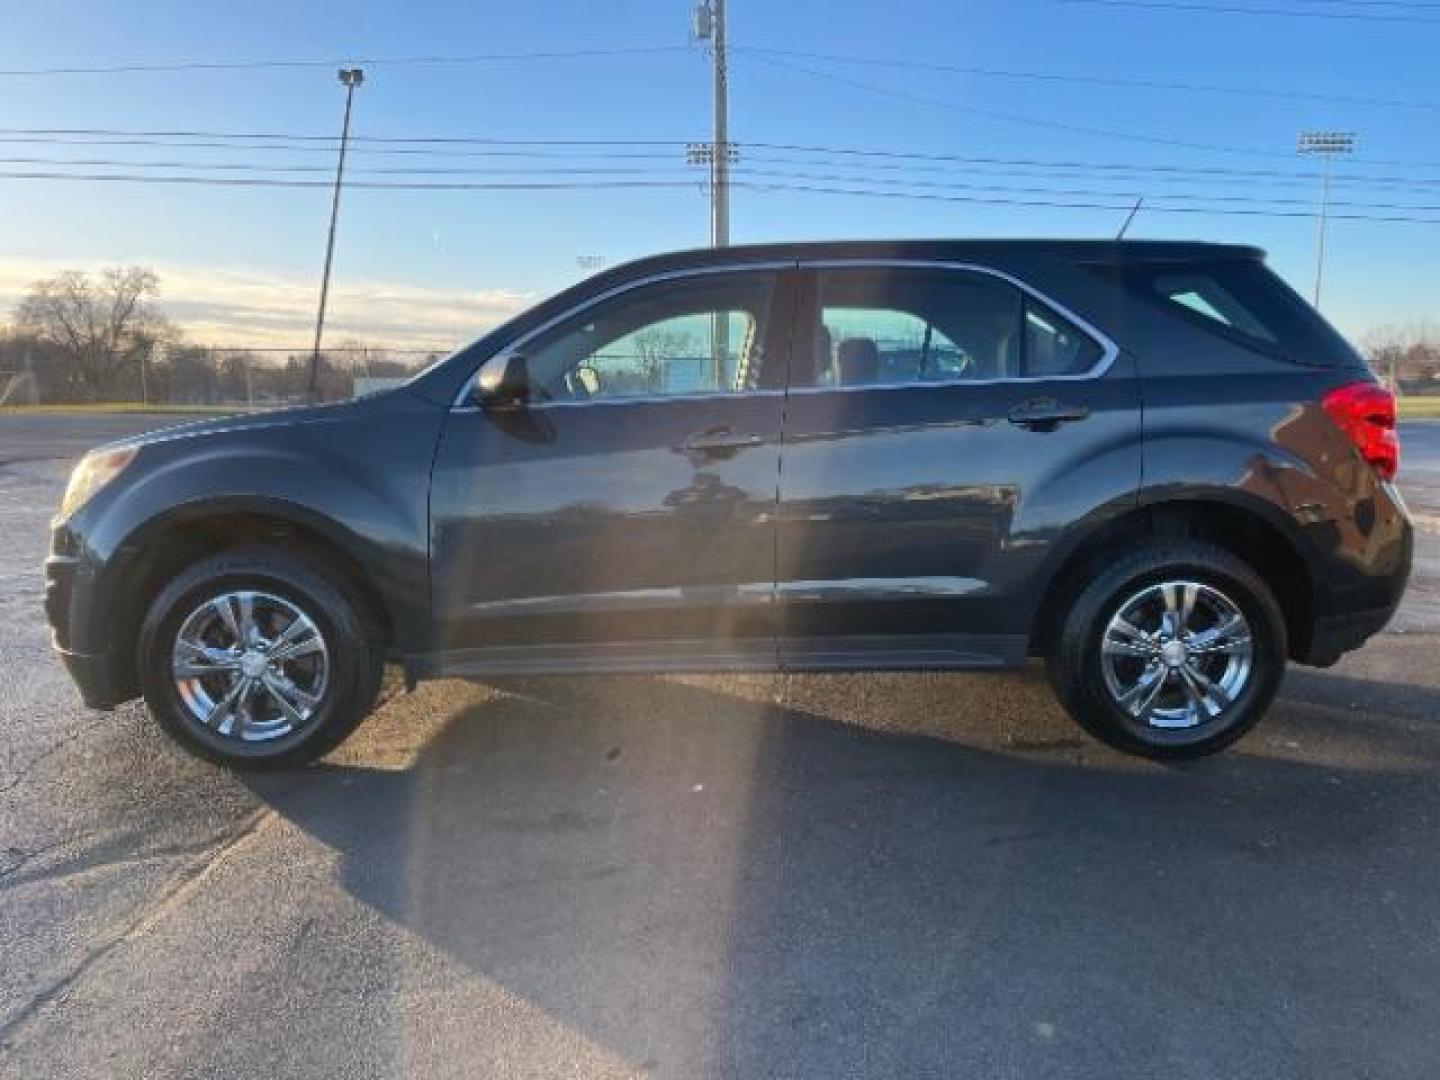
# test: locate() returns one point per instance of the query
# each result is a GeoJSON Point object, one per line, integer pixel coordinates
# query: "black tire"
{"type": "Point", "coordinates": [354, 661]}
{"type": "Point", "coordinates": [1077, 669]}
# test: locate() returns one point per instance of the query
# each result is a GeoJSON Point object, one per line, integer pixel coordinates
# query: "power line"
{"type": "Point", "coordinates": [221, 181]}
{"type": "Point", "coordinates": [306, 148]}
{"type": "Point", "coordinates": [650, 50]}
{"type": "Point", "coordinates": [230, 166]}
{"type": "Point", "coordinates": [1013, 118]}
{"type": "Point", "coordinates": [1057, 125]}
{"type": "Point", "coordinates": [1093, 80]}
{"type": "Point", "coordinates": [332, 141]}
{"type": "Point", "coordinates": [1267, 200]}
{"type": "Point", "coordinates": [1066, 204]}
{"type": "Point", "coordinates": [1128, 173]}
{"type": "Point", "coordinates": [1119, 175]}
{"type": "Point", "coordinates": [1238, 9]}
{"type": "Point", "coordinates": [1131, 175]}
{"type": "Point", "coordinates": [379, 61]}
{"type": "Point", "coordinates": [485, 146]}
{"type": "Point", "coordinates": [446, 144]}
{"type": "Point", "coordinates": [966, 159]}
{"type": "Point", "coordinates": [839, 186]}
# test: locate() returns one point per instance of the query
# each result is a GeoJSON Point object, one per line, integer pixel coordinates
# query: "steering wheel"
{"type": "Point", "coordinates": [583, 381]}
{"type": "Point", "coordinates": [575, 386]}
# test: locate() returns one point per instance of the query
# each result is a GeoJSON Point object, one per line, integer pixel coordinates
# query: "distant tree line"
{"type": "Point", "coordinates": [1408, 357]}
{"type": "Point", "coordinates": [78, 338]}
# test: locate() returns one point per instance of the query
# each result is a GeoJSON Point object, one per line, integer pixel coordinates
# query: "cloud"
{"type": "Point", "coordinates": [222, 306]}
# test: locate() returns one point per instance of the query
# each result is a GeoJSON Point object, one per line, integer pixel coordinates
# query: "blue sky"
{"type": "Point", "coordinates": [436, 266]}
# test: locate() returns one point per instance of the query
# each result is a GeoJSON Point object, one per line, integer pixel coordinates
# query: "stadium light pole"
{"type": "Point", "coordinates": [350, 78]}
{"type": "Point", "coordinates": [1326, 145]}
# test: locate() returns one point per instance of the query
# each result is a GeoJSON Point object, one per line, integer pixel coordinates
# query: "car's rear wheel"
{"type": "Point", "coordinates": [1174, 650]}
{"type": "Point", "coordinates": [257, 659]}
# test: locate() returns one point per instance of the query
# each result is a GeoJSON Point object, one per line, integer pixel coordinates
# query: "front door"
{"type": "Point", "coordinates": [943, 426]}
{"type": "Point", "coordinates": [625, 518]}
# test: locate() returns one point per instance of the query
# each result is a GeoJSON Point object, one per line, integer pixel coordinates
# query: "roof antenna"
{"type": "Point", "coordinates": [1133, 211]}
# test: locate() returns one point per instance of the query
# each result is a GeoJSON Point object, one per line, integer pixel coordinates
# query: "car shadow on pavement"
{"type": "Point", "coordinates": [714, 883]}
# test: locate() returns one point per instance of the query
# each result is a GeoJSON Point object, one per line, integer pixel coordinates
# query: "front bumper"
{"type": "Point", "coordinates": [68, 592]}
{"type": "Point", "coordinates": [95, 678]}
{"type": "Point", "coordinates": [60, 574]}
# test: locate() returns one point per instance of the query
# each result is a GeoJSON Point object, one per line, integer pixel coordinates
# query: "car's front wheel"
{"type": "Point", "coordinates": [1174, 650]}
{"type": "Point", "coordinates": [256, 659]}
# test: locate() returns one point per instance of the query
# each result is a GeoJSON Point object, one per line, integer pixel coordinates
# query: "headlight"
{"type": "Point", "coordinates": [93, 473]}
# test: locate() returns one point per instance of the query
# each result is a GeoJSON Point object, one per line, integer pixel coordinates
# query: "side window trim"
{"type": "Point", "coordinates": [782, 315]}
{"type": "Point", "coordinates": [810, 313]}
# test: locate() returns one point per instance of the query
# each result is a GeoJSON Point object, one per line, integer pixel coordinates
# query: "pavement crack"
{"type": "Point", "coordinates": [176, 892]}
{"type": "Point", "coordinates": [50, 751]}
{"type": "Point", "coordinates": [11, 877]}
{"type": "Point", "coordinates": [15, 857]}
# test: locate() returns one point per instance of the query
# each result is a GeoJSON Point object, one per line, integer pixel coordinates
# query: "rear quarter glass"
{"type": "Point", "coordinates": [1243, 301]}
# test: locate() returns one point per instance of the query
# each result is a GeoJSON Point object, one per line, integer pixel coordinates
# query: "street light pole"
{"type": "Point", "coordinates": [350, 78]}
{"type": "Point", "coordinates": [1326, 145]}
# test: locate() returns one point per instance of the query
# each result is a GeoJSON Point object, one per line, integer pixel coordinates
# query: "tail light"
{"type": "Point", "coordinates": [1365, 412]}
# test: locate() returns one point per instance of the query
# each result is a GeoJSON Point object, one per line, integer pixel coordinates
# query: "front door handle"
{"type": "Point", "coordinates": [718, 442]}
{"type": "Point", "coordinates": [1045, 414]}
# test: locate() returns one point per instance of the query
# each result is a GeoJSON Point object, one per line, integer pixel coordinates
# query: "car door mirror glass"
{"type": "Point", "coordinates": [504, 383]}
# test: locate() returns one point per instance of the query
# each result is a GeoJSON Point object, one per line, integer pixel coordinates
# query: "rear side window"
{"type": "Point", "coordinates": [1242, 300]}
{"type": "Point", "coordinates": [1202, 293]}
{"type": "Point", "coordinates": [902, 326]}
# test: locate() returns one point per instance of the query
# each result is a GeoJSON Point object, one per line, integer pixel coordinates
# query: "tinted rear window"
{"type": "Point", "coordinates": [1242, 300]}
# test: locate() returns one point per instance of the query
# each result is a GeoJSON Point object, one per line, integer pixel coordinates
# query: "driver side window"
{"type": "Point", "coordinates": [703, 335]}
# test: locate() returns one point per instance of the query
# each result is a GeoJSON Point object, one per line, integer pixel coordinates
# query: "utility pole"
{"type": "Point", "coordinates": [1326, 145]}
{"type": "Point", "coordinates": [720, 169]}
{"type": "Point", "coordinates": [350, 78]}
{"type": "Point", "coordinates": [709, 24]}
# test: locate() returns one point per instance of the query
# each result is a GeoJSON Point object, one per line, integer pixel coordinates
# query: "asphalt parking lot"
{"type": "Point", "coordinates": [899, 876]}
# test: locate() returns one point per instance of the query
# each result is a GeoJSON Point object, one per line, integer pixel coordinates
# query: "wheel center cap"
{"type": "Point", "coordinates": [253, 664]}
{"type": "Point", "coordinates": [1173, 653]}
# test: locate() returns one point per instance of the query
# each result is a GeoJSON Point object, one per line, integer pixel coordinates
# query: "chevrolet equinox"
{"type": "Point", "coordinates": [1150, 463]}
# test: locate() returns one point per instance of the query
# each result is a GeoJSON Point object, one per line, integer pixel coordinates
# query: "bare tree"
{"type": "Point", "coordinates": [1407, 357]}
{"type": "Point", "coordinates": [99, 329]}
{"type": "Point", "coordinates": [655, 347]}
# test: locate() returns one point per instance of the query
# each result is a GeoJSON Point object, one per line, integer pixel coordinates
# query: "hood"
{"type": "Point", "coordinates": [291, 416]}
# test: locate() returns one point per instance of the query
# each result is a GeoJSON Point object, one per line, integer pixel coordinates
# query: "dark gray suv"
{"type": "Point", "coordinates": [1150, 463]}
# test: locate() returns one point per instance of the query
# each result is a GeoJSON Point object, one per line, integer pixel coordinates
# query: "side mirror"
{"type": "Point", "coordinates": [504, 385]}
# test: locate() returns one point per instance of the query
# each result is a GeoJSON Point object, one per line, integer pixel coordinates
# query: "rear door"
{"type": "Point", "coordinates": [627, 518]}
{"type": "Point", "coordinates": [944, 427]}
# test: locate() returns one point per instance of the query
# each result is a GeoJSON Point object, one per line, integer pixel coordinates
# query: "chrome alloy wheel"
{"type": "Point", "coordinates": [1177, 654]}
{"type": "Point", "coordinates": [250, 666]}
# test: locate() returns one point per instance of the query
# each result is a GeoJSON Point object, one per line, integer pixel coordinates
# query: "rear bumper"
{"type": "Point", "coordinates": [1333, 635]}
{"type": "Point", "coordinates": [1360, 579]}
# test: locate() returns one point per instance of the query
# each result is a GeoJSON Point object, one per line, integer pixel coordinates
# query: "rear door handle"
{"type": "Point", "coordinates": [1045, 413]}
{"type": "Point", "coordinates": [718, 442]}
